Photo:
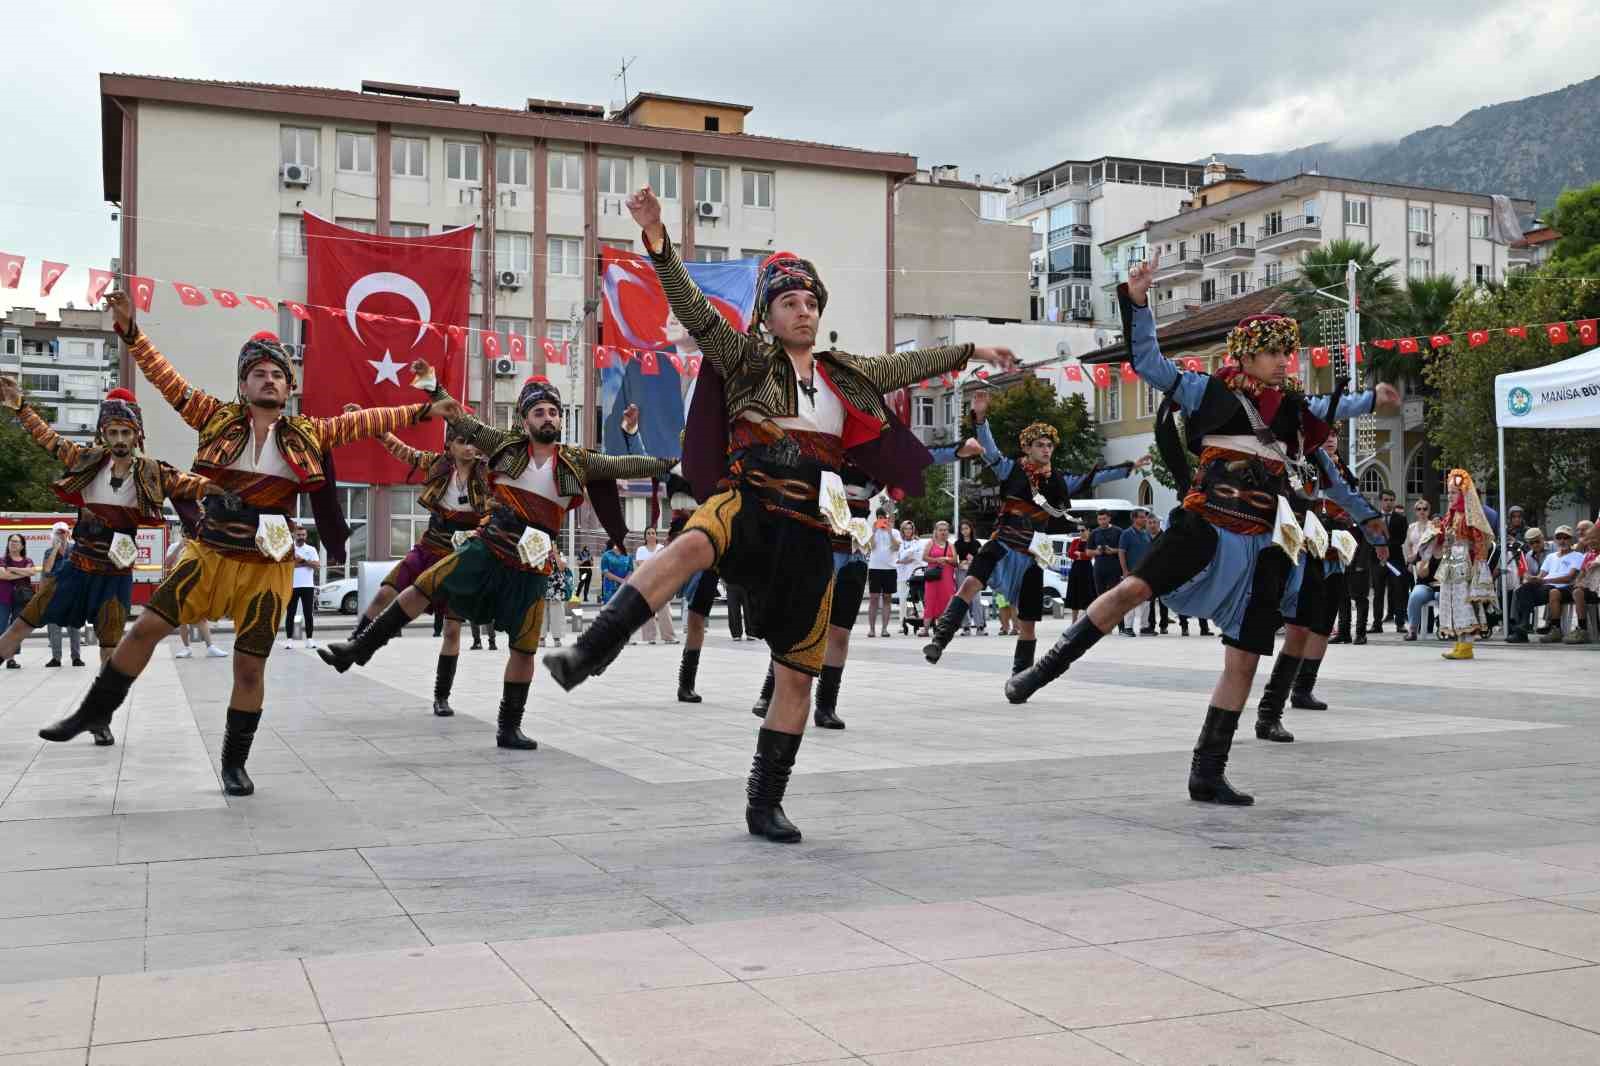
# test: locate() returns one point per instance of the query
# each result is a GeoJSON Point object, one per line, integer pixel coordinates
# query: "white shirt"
{"type": "Point", "coordinates": [1557, 564]}
{"type": "Point", "coordinates": [100, 490]}
{"type": "Point", "coordinates": [540, 480]}
{"type": "Point", "coordinates": [306, 561]}
{"type": "Point", "coordinates": [270, 462]}
{"type": "Point", "coordinates": [643, 553]}
{"type": "Point", "coordinates": [456, 491]}
{"type": "Point", "coordinates": [910, 558]}
{"type": "Point", "coordinates": [825, 414]}
{"type": "Point", "coordinates": [885, 545]}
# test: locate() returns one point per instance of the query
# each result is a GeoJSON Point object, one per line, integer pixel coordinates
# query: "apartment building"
{"type": "Point", "coordinates": [65, 365]}
{"type": "Point", "coordinates": [213, 179]}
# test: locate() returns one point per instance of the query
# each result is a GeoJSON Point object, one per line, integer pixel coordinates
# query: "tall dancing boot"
{"type": "Point", "coordinates": [1304, 682]}
{"type": "Point", "coordinates": [944, 628]}
{"type": "Point", "coordinates": [362, 625]}
{"type": "Point", "coordinates": [1269, 714]}
{"type": "Point", "coordinates": [769, 778]}
{"type": "Point", "coordinates": [93, 715]}
{"type": "Point", "coordinates": [236, 741]}
{"type": "Point", "coordinates": [1077, 640]}
{"type": "Point", "coordinates": [1207, 783]}
{"type": "Point", "coordinates": [828, 698]}
{"type": "Point", "coordinates": [443, 680]}
{"type": "Point", "coordinates": [765, 700]}
{"type": "Point", "coordinates": [1022, 656]}
{"type": "Point", "coordinates": [513, 702]}
{"type": "Point", "coordinates": [359, 650]}
{"type": "Point", "coordinates": [688, 668]}
{"type": "Point", "coordinates": [1361, 620]}
{"type": "Point", "coordinates": [602, 641]}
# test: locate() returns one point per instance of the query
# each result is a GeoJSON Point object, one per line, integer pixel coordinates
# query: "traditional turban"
{"type": "Point", "coordinates": [784, 272]}
{"type": "Point", "coordinates": [120, 406]}
{"type": "Point", "coordinates": [536, 389]}
{"type": "Point", "coordinates": [1038, 431]}
{"type": "Point", "coordinates": [458, 430]}
{"type": "Point", "coordinates": [265, 345]}
{"type": "Point", "coordinates": [1260, 333]}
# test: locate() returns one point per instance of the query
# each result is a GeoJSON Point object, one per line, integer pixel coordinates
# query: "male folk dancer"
{"type": "Point", "coordinates": [1309, 617]}
{"type": "Point", "coordinates": [116, 490]}
{"type": "Point", "coordinates": [497, 577]}
{"type": "Point", "coordinates": [789, 414]}
{"type": "Point", "coordinates": [1251, 429]}
{"type": "Point", "coordinates": [455, 493]}
{"type": "Point", "coordinates": [1031, 494]}
{"type": "Point", "coordinates": [239, 565]}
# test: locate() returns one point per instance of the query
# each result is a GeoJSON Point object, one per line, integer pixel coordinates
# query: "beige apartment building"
{"type": "Point", "coordinates": [64, 364]}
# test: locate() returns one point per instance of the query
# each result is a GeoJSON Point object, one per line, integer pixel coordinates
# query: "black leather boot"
{"type": "Point", "coordinates": [1269, 713]}
{"type": "Point", "coordinates": [944, 628]}
{"type": "Point", "coordinates": [513, 702]}
{"type": "Point", "coordinates": [1342, 636]}
{"type": "Point", "coordinates": [1361, 621]}
{"type": "Point", "coordinates": [602, 642]}
{"type": "Point", "coordinates": [1205, 628]}
{"type": "Point", "coordinates": [443, 681]}
{"type": "Point", "coordinates": [1304, 682]}
{"type": "Point", "coordinates": [236, 741]}
{"type": "Point", "coordinates": [688, 668]}
{"type": "Point", "coordinates": [1207, 782]}
{"type": "Point", "coordinates": [1022, 655]}
{"type": "Point", "coordinates": [362, 624]}
{"type": "Point", "coordinates": [358, 651]}
{"type": "Point", "coordinates": [1071, 647]}
{"type": "Point", "coordinates": [765, 700]}
{"type": "Point", "coordinates": [828, 698]}
{"type": "Point", "coordinates": [93, 715]}
{"type": "Point", "coordinates": [769, 779]}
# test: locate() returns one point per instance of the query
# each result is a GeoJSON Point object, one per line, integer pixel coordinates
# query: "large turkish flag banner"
{"type": "Point", "coordinates": [398, 285]}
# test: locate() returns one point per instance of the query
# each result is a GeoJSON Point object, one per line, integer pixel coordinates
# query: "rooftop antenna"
{"type": "Point", "coordinates": [622, 72]}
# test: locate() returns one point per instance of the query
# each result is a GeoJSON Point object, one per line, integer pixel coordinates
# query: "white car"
{"type": "Point", "coordinates": [338, 596]}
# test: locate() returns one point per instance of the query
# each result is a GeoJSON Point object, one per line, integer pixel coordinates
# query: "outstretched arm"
{"type": "Point", "coordinates": [485, 438]}
{"type": "Point", "coordinates": [1078, 484]}
{"type": "Point", "coordinates": [1384, 399]}
{"type": "Point", "coordinates": [998, 461]}
{"type": "Point", "coordinates": [45, 437]}
{"type": "Point", "coordinates": [598, 466]}
{"type": "Point", "coordinates": [718, 340]}
{"type": "Point", "coordinates": [415, 458]}
{"type": "Point", "coordinates": [177, 485]}
{"type": "Point", "coordinates": [1186, 387]}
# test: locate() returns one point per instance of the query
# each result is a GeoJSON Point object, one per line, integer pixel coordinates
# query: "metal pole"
{"type": "Point", "coordinates": [570, 423]}
{"type": "Point", "coordinates": [1505, 599]}
{"type": "Point", "coordinates": [1352, 340]}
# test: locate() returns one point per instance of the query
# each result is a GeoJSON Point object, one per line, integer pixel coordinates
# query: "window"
{"type": "Point", "coordinates": [1208, 290]}
{"type": "Point", "coordinates": [513, 251]}
{"type": "Point", "coordinates": [474, 338]}
{"type": "Point", "coordinates": [1417, 268]}
{"type": "Point", "coordinates": [713, 124]}
{"type": "Point", "coordinates": [708, 182]}
{"type": "Point", "coordinates": [754, 253]}
{"type": "Point", "coordinates": [564, 254]}
{"type": "Point", "coordinates": [1482, 274]}
{"type": "Point", "coordinates": [511, 166]}
{"type": "Point", "coordinates": [758, 188]}
{"type": "Point", "coordinates": [41, 382]}
{"type": "Point", "coordinates": [992, 206]}
{"type": "Point", "coordinates": [1416, 476]}
{"type": "Point", "coordinates": [662, 178]}
{"type": "Point", "coordinates": [1147, 495]}
{"type": "Point", "coordinates": [706, 254]}
{"type": "Point", "coordinates": [612, 176]}
{"type": "Point", "coordinates": [1274, 224]}
{"type": "Point", "coordinates": [512, 327]}
{"type": "Point", "coordinates": [1238, 284]}
{"type": "Point", "coordinates": [564, 171]}
{"type": "Point", "coordinates": [559, 330]}
{"type": "Point", "coordinates": [408, 157]}
{"type": "Point", "coordinates": [1480, 225]}
{"type": "Point", "coordinates": [80, 350]}
{"type": "Point", "coordinates": [477, 255]}
{"type": "Point", "coordinates": [299, 145]}
{"type": "Point", "coordinates": [1236, 234]}
{"type": "Point", "coordinates": [947, 409]}
{"type": "Point", "coordinates": [408, 229]}
{"type": "Point", "coordinates": [1310, 211]}
{"type": "Point", "coordinates": [1208, 243]}
{"type": "Point", "coordinates": [355, 153]}
{"type": "Point", "coordinates": [1274, 274]}
{"type": "Point", "coordinates": [922, 412]}
{"type": "Point", "coordinates": [1372, 483]}
{"type": "Point", "coordinates": [621, 246]}
{"type": "Point", "coordinates": [1112, 310]}
{"type": "Point", "coordinates": [11, 346]}
{"type": "Point", "coordinates": [1355, 212]}
{"type": "Point", "coordinates": [1149, 400]}
{"type": "Point", "coordinates": [292, 235]}
{"type": "Point", "coordinates": [1419, 220]}
{"type": "Point", "coordinates": [1108, 401]}
{"type": "Point", "coordinates": [462, 161]}
{"type": "Point", "coordinates": [360, 225]}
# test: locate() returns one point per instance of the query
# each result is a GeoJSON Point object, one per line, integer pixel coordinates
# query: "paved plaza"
{"type": "Point", "coordinates": [979, 884]}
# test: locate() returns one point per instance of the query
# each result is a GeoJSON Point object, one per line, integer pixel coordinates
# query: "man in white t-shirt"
{"type": "Point", "coordinates": [1558, 575]}
{"type": "Point", "coordinates": [881, 573]}
{"type": "Point", "coordinates": [306, 562]}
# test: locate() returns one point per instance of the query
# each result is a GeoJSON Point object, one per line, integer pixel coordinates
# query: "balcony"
{"type": "Point", "coordinates": [1055, 277]}
{"type": "Point", "coordinates": [1229, 251]}
{"type": "Point", "coordinates": [1221, 296]}
{"type": "Point", "coordinates": [1185, 266]}
{"type": "Point", "coordinates": [1283, 277]}
{"type": "Point", "coordinates": [1170, 308]}
{"type": "Point", "coordinates": [1522, 256]}
{"type": "Point", "coordinates": [1290, 234]}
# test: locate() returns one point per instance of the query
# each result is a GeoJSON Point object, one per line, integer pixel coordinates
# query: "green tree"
{"type": "Point", "coordinates": [1322, 273]}
{"type": "Point", "coordinates": [934, 503]}
{"type": "Point", "coordinates": [1428, 302]}
{"type": "Point", "coordinates": [1160, 470]}
{"type": "Point", "coordinates": [1032, 400]}
{"type": "Point", "coordinates": [25, 472]}
{"type": "Point", "coordinates": [1577, 218]}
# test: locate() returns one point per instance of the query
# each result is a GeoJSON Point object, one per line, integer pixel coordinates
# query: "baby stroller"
{"type": "Point", "coordinates": [911, 609]}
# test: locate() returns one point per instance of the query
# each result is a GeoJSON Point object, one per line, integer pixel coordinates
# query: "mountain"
{"type": "Point", "coordinates": [1533, 147]}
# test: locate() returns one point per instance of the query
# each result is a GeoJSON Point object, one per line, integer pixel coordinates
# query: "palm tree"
{"type": "Point", "coordinates": [1323, 270]}
{"type": "Point", "coordinates": [1429, 301]}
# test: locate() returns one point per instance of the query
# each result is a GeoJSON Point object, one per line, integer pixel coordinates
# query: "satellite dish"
{"type": "Point", "coordinates": [1101, 338]}
{"type": "Point", "coordinates": [1063, 349]}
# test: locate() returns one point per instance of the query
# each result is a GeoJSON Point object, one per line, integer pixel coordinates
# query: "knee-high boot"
{"type": "Point", "coordinates": [1361, 620]}
{"type": "Point", "coordinates": [688, 669]}
{"type": "Point", "coordinates": [93, 715]}
{"type": "Point", "coordinates": [828, 697]}
{"type": "Point", "coordinates": [443, 680]}
{"type": "Point", "coordinates": [1022, 655]}
{"type": "Point", "coordinates": [1342, 636]}
{"type": "Point", "coordinates": [944, 628]}
{"type": "Point", "coordinates": [769, 779]}
{"type": "Point", "coordinates": [237, 738]}
{"type": "Point", "coordinates": [765, 699]}
{"type": "Point", "coordinates": [602, 642]}
{"type": "Point", "coordinates": [513, 702]}
{"type": "Point", "coordinates": [1207, 782]}
{"type": "Point", "coordinates": [359, 650]}
{"type": "Point", "coordinates": [1071, 647]}
{"type": "Point", "coordinates": [1304, 681]}
{"type": "Point", "coordinates": [1269, 713]}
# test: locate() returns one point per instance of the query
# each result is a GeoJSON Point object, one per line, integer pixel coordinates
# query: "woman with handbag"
{"type": "Point", "coordinates": [16, 585]}
{"type": "Point", "coordinates": [939, 571]}
{"type": "Point", "coordinates": [967, 547]}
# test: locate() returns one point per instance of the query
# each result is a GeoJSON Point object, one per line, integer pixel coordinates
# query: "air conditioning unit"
{"type": "Point", "coordinates": [297, 352]}
{"type": "Point", "coordinates": [504, 367]}
{"type": "Point", "coordinates": [710, 210]}
{"type": "Point", "coordinates": [512, 279]}
{"type": "Point", "coordinates": [1424, 239]}
{"type": "Point", "coordinates": [296, 174]}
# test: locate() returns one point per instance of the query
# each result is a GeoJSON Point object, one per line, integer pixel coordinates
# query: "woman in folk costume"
{"type": "Point", "coordinates": [1462, 542]}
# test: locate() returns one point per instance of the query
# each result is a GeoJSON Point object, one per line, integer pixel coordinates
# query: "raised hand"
{"type": "Point", "coordinates": [969, 448]}
{"type": "Point", "coordinates": [980, 405]}
{"type": "Point", "coordinates": [1387, 401]}
{"type": "Point", "coordinates": [121, 309]}
{"type": "Point", "coordinates": [1141, 462]}
{"type": "Point", "coordinates": [999, 357]}
{"type": "Point", "coordinates": [1140, 277]}
{"type": "Point", "coordinates": [645, 209]}
{"type": "Point", "coordinates": [10, 393]}
{"type": "Point", "coordinates": [630, 419]}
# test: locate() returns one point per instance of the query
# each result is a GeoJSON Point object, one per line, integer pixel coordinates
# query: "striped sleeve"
{"type": "Point", "coordinates": [719, 341]}
{"type": "Point", "coordinates": [177, 485]}
{"type": "Point", "coordinates": [415, 458]}
{"type": "Point", "coordinates": [194, 406]}
{"type": "Point", "coordinates": [897, 370]}
{"type": "Point", "coordinates": [367, 422]}
{"type": "Point", "coordinates": [47, 438]}
{"type": "Point", "coordinates": [485, 438]}
{"type": "Point", "coordinates": [597, 466]}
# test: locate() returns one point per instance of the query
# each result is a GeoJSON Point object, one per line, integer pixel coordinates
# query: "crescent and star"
{"type": "Point", "coordinates": [386, 369]}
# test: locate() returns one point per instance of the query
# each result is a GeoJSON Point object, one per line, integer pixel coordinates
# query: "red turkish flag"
{"type": "Point", "coordinates": [602, 357]}
{"type": "Point", "coordinates": [225, 298]}
{"type": "Point", "coordinates": [1439, 340]}
{"type": "Point", "coordinates": [624, 356]}
{"type": "Point", "coordinates": [261, 302]}
{"type": "Point", "coordinates": [491, 345]}
{"type": "Point", "coordinates": [406, 281]}
{"type": "Point", "coordinates": [49, 274]}
{"type": "Point", "coordinates": [1127, 372]}
{"type": "Point", "coordinates": [11, 269]}
{"type": "Point", "coordinates": [1074, 373]}
{"type": "Point", "coordinates": [981, 374]}
{"type": "Point", "coordinates": [142, 290]}
{"type": "Point", "coordinates": [676, 360]}
{"type": "Point", "coordinates": [692, 364]}
{"type": "Point", "coordinates": [1387, 345]}
{"type": "Point", "coordinates": [1194, 366]}
{"type": "Point", "coordinates": [1587, 331]}
{"type": "Point", "coordinates": [1319, 356]}
{"type": "Point", "coordinates": [649, 364]}
{"type": "Point", "coordinates": [1409, 346]}
{"type": "Point", "coordinates": [1557, 332]}
{"type": "Point", "coordinates": [188, 295]}
{"type": "Point", "coordinates": [99, 282]}
{"type": "Point", "coordinates": [1360, 353]}
{"type": "Point", "coordinates": [519, 348]}
{"type": "Point", "coordinates": [565, 353]}
{"type": "Point", "coordinates": [1102, 376]}
{"type": "Point", "coordinates": [551, 350]}
{"type": "Point", "coordinates": [1475, 337]}
{"type": "Point", "coordinates": [1519, 332]}
{"type": "Point", "coordinates": [298, 310]}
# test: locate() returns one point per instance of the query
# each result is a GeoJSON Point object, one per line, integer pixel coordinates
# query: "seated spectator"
{"type": "Point", "coordinates": [1419, 560]}
{"type": "Point", "coordinates": [1552, 586]}
{"type": "Point", "coordinates": [1522, 572]}
{"type": "Point", "coordinates": [1586, 590]}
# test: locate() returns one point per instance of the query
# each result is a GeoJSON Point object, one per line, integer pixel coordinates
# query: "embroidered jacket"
{"type": "Point", "coordinates": [447, 516]}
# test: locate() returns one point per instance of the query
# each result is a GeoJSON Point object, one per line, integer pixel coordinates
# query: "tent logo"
{"type": "Point", "coordinates": [1519, 401]}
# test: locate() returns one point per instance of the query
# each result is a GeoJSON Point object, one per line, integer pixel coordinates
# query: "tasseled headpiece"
{"type": "Point", "coordinates": [1260, 333]}
{"type": "Point", "coordinates": [1038, 431]}
{"type": "Point", "coordinates": [784, 272]}
{"type": "Point", "coordinates": [536, 389]}
{"type": "Point", "coordinates": [265, 345]}
{"type": "Point", "coordinates": [120, 406]}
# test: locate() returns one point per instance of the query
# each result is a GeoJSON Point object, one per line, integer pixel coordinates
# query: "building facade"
{"type": "Point", "coordinates": [65, 365]}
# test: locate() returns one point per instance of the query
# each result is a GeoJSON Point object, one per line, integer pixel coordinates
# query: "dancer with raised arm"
{"type": "Point", "coordinates": [788, 416]}
{"type": "Point", "coordinates": [1233, 544]}
{"type": "Point", "coordinates": [239, 565]}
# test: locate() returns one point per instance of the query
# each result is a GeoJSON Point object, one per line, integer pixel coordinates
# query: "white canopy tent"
{"type": "Point", "coordinates": [1564, 395]}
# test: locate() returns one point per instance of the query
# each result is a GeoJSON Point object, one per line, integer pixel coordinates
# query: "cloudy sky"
{"type": "Point", "coordinates": [1002, 90]}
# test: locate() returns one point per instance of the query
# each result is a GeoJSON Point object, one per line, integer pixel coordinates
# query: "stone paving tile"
{"type": "Point", "coordinates": [207, 999]}
{"type": "Point", "coordinates": [1107, 916]}
{"type": "Point", "coordinates": [1254, 900]}
{"type": "Point", "coordinates": [1504, 873]}
{"type": "Point", "coordinates": [46, 1015]}
{"type": "Point", "coordinates": [560, 968]}
{"type": "Point", "coordinates": [788, 946]}
{"type": "Point", "coordinates": [1570, 996]}
{"type": "Point", "coordinates": [468, 1036]}
{"type": "Point", "coordinates": [1245, 1038]}
{"type": "Point", "coordinates": [72, 928]}
{"type": "Point", "coordinates": [1423, 949]}
{"type": "Point", "coordinates": [43, 892]}
{"type": "Point", "coordinates": [293, 941]}
{"type": "Point", "coordinates": [415, 979]}
{"type": "Point", "coordinates": [559, 918]}
{"type": "Point", "coordinates": [302, 1045]}
{"type": "Point", "coordinates": [931, 932]}
{"type": "Point", "coordinates": [1051, 1049]}
{"type": "Point", "coordinates": [204, 895]}
{"type": "Point", "coordinates": [1385, 887]}
{"type": "Point", "coordinates": [85, 959]}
